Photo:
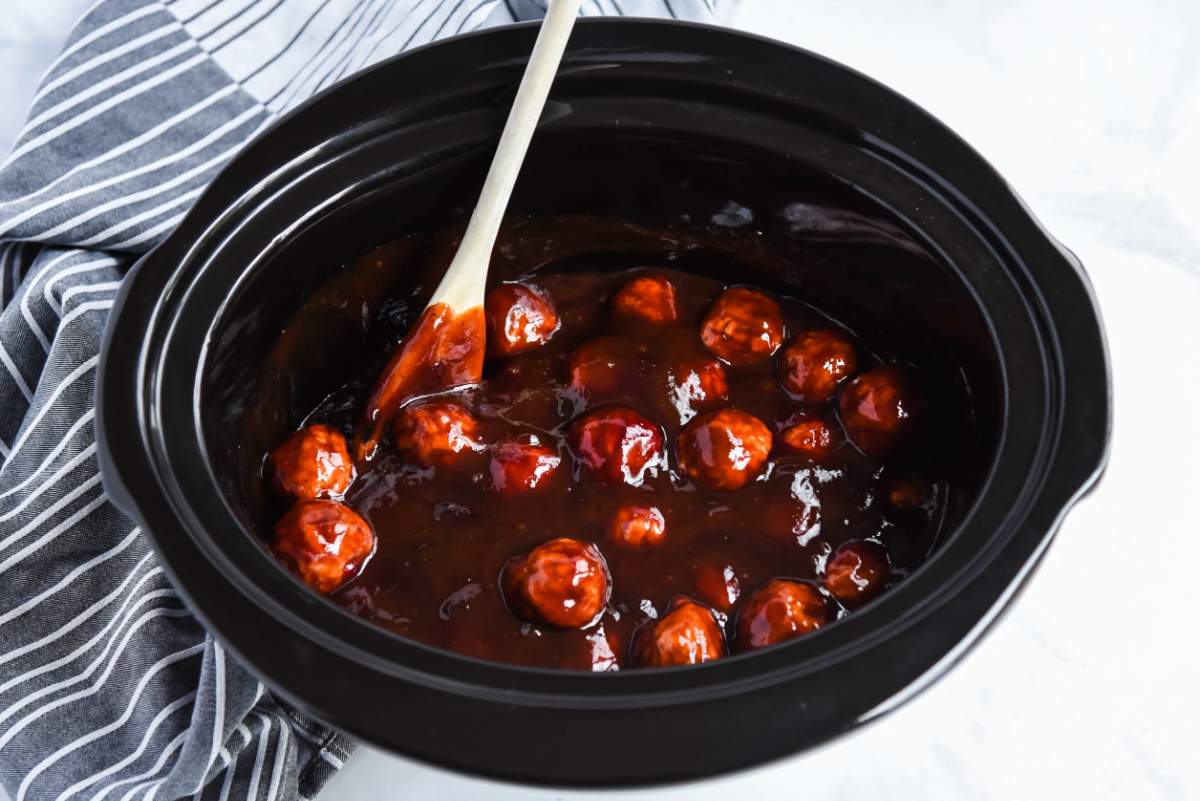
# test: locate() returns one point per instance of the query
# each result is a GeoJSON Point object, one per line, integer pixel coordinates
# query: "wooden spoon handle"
{"type": "Point", "coordinates": [462, 287]}
{"type": "Point", "coordinates": [445, 348]}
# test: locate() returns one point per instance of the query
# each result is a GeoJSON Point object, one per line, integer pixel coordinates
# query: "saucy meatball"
{"type": "Point", "coordinates": [634, 526]}
{"type": "Point", "coordinates": [813, 364]}
{"type": "Point", "coordinates": [563, 582]}
{"type": "Point", "coordinates": [519, 318]}
{"type": "Point", "coordinates": [522, 463]}
{"type": "Point", "coordinates": [600, 367]}
{"type": "Point", "coordinates": [325, 541]}
{"type": "Point", "coordinates": [435, 432]}
{"type": "Point", "coordinates": [880, 409]}
{"type": "Point", "coordinates": [780, 610]}
{"type": "Point", "coordinates": [687, 635]}
{"type": "Point", "coordinates": [811, 436]}
{"type": "Point", "coordinates": [313, 462]}
{"type": "Point", "coordinates": [647, 297]}
{"type": "Point", "coordinates": [718, 584]}
{"type": "Point", "coordinates": [856, 572]}
{"type": "Point", "coordinates": [724, 450]}
{"type": "Point", "coordinates": [616, 444]}
{"type": "Point", "coordinates": [743, 326]}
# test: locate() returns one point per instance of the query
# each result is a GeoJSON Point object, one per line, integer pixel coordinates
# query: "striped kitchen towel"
{"type": "Point", "coordinates": [109, 688]}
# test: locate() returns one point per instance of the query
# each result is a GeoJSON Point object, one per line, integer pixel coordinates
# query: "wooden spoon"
{"type": "Point", "coordinates": [445, 348]}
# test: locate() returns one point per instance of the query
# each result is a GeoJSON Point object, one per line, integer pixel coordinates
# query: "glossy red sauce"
{"type": "Point", "coordinates": [455, 513]}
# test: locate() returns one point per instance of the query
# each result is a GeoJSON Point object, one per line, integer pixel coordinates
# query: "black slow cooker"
{"type": "Point", "coordinates": [647, 119]}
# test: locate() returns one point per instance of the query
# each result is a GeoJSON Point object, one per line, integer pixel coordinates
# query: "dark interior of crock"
{"type": "Point", "coordinates": [305, 321]}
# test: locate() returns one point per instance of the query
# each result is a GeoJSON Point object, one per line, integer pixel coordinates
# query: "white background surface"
{"type": "Point", "coordinates": [1088, 688]}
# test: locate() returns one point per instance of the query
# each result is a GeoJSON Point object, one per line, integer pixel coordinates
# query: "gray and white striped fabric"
{"type": "Point", "coordinates": [109, 688]}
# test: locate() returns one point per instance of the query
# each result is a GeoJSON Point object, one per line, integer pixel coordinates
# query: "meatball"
{"type": "Point", "coordinates": [313, 462]}
{"type": "Point", "coordinates": [519, 318]}
{"type": "Point", "coordinates": [880, 409]}
{"type": "Point", "coordinates": [856, 572]}
{"type": "Point", "coordinates": [436, 432]}
{"type": "Point", "coordinates": [616, 443]}
{"type": "Point", "coordinates": [687, 635]}
{"type": "Point", "coordinates": [325, 541]}
{"type": "Point", "coordinates": [647, 297]}
{"type": "Point", "coordinates": [780, 610]}
{"type": "Point", "coordinates": [634, 526]}
{"type": "Point", "coordinates": [695, 383]}
{"type": "Point", "coordinates": [809, 436]}
{"type": "Point", "coordinates": [724, 450]}
{"type": "Point", "coordinates": [523, 463]}
{"type": "Point", "coordinates": [601, 367]}
{"type": "Point", "coordinates": [563, 582]}
{"type": "Point", "coordinates": [718, 584]}
{"type": "Point", "coordinates": [743, 326]}
{"type": "Point", "coordinates": [812, 364]}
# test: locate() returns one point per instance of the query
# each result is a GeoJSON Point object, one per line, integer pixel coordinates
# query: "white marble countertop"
{"type": "Point", "coordinates": [1087, 688]}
